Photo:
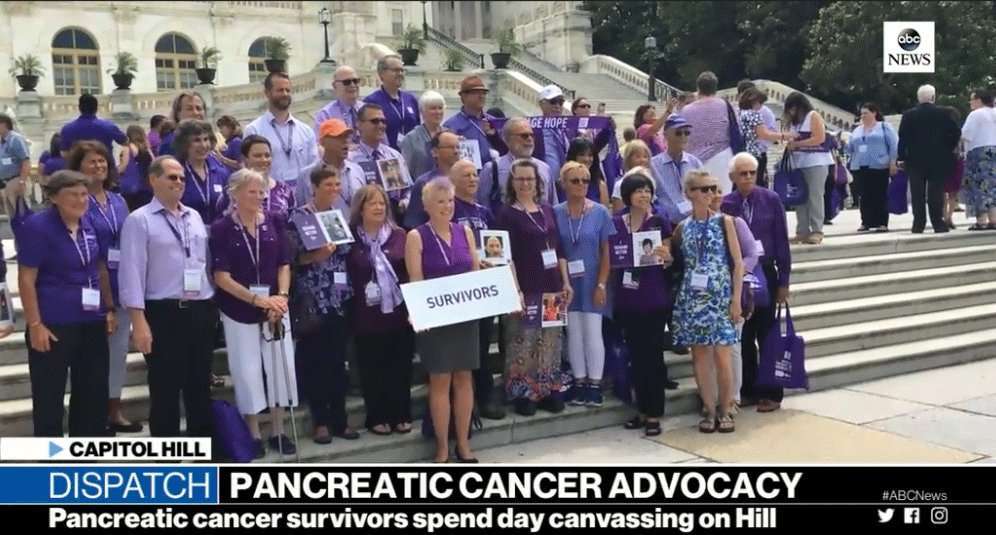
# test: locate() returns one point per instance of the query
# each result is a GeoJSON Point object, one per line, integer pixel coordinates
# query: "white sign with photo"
{"type": "Point", "coordinates": [497, 250]}
{"type": "Point", "coordinates": [644, 245]}
{"type": "Point", "coordinates": [335, 226]}
{"type": "Point", "coordinates": [459, 298]}
{"type": "Point", "coordinates": [470, 150]}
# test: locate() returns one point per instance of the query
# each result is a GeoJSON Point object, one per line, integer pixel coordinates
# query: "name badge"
{"type": "Point", "coordinates": [339, 278]}
{"type": "Point", "coordinates": [630, 281]}
{"type": "Point", "coordinates": [91, 299]}
{"type": "Point", "coordinates": [217, 188]}
{"type": "Point", "coordinates": [862, 148]}
{"type": "Point", "coordinates": [113, 258]}
{"type": "Point", "coordinates": [373, 294]}
{"type": "Point", "coordinates": [260, 290]}
{"type": "Point", "coordinates": [549, 259]}
{"type": "Point", "coordinates": [685, 206]}
{"type": "Point", "coordinates": [700, 281]}
{"type": "Point", "coordinates": [191, 282]}
{"type": "Point", "coordinates": [575, 268]}
{"type": "Point", "coordinates": [7, 161]}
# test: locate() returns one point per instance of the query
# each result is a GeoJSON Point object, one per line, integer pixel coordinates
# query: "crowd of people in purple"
{"type": "Point", "coordinates": [191, 230]}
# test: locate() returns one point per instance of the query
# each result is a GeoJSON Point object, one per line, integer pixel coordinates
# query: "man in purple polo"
{"type": "Point", "coordinates": [471, 123]}
{"type": "Point", "coordinates": [88, 126]}
{"type": "Point", "coordinates": [346, 85]}
{"type": "Point", "coordinates": [400, 107]}
{"type": "Point", "coordinates": [445, 147]}
{"type": "Point", "coordinates": [763, 211]}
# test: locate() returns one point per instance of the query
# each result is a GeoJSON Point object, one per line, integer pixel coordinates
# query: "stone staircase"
{"type": "Point", "coordinates": [869, 306]}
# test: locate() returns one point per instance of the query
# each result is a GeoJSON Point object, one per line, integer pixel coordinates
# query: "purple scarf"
{"type": "Point", "coordinates": [386, 278]}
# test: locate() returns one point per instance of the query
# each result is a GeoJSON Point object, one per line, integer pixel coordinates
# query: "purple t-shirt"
{"type": "Point", "coordinates": [233, 149]}
{"type": "Point", "coordinates": [204, 193]}
{"type": "Point", "coordinates": [108, 224]}
{"type": "Point", "coordinates": [233, 249]}
{"type": "Point", "coordinates": [651, 288]}
{"type": "Point", "coordinates": [65, 266]}
{"type": "Point", "coordinates": [530, 235]}
{"type": "Point", "coordinates": [474, 215]}
{"type": "Point", "coordinates": [440, 259]}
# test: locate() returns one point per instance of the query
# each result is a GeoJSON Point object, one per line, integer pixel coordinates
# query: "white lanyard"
{"type": "Point", "coordinates": [475, 122]}
{"type": "Point", "coordinates": [112, 222]}
{"type": "Point", "coordinates": [245, 238]}
{"type": "Point", "coordinates": [439, 242]}
{"type": "Point", "coordinates": [206, 192]}
{"type": "Point", "coordinates": [288, 145]}
{"type": "Point", "coordinates": [576, 236]}
{"type": "Point", "coordinates": [84, 261]}
{"type": "Point", "coordinates": [400, 110]}
{"type": "Point", "coordinates": [530, 216]}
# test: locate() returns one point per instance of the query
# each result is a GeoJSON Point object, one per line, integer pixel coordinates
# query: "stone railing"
{"type": "Point", "coordinates": [445, 83]}
{"type": "Point", "coordinates": [627, 74]}
{"type": "Point", "coordinates": [265, 5]}
{"type": "Point", "coordinates": [835, 117]}
{"type": "Point", "coordinates": [448, 42]}
{"type": "Point", "coordinates": [519, 85]}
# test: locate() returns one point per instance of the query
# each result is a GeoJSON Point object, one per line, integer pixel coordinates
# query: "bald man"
{"type": "Point", "coordinates": [346, 85]}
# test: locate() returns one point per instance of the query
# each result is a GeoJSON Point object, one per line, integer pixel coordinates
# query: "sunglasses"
{"type": "Point", "coordinates": [707, 189]}
{"type": "Point", "coordinates": [577, 181]}
{"type": "Point", "coordinates": [584, 106]}
{"type": "Point", "coordinates": [377, 120]}
{"type": "Point", "coordinates": [349, 81]}
{"type": "Point", "coordinates": [557, 102]}
{"type": "Point", "coordinates": [173, 177]}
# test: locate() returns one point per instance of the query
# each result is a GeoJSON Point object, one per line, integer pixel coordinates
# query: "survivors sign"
{"type": "Point", "coordinates": [459, 298]}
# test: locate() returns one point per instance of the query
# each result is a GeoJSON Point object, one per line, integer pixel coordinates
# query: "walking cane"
{"type": "Point", "coordinates": [278, 339]}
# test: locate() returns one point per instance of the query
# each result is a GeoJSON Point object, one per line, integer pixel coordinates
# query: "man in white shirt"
{"type": "Point", "coordinates": [293, 141]}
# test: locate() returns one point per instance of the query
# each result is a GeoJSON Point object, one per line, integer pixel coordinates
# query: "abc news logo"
{"type": "Point", "coordinates": [908, 47]}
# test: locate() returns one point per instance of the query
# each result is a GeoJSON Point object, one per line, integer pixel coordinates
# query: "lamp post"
{"type": "Point", "coordinates": [425, 24]}
{"type": "Point", "coordinates": [650, 44]}
{"type": "Point", "coordinates": [325, 17]}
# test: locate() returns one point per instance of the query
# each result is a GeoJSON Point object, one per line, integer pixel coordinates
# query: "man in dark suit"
{"type": "Point", "coordinates": [927, 140]}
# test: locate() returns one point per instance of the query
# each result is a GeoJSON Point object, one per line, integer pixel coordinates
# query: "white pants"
{"type": "Point", "coordinates": [585, 348]}
{"type": "Point", "coordinates": [117, 342]}
{"type": "Point", "coordinates": [250, 357]}
{"type": "Point", "coordinates": [719, 167]}
{"type": "Point", "coordinates": [736, 364]}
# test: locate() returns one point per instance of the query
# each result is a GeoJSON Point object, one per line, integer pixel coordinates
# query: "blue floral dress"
{"type": "Point", "coordinates": [702, 316]}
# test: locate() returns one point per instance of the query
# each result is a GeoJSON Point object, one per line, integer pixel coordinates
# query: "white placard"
{"type": "Point", "coordinates": [6, 307]}
{"type": "Point", "coordinates": [470, 150]}
{"type": "Point", "coordinates": [459, 298]}
{"type": "Point", "coordinates": [497, 250]}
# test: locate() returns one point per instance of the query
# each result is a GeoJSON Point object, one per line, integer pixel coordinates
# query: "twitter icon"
{"type": "Point", "coordinates": [885, 516]}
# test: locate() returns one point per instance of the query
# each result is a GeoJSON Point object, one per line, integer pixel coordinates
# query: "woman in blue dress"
{"type": "Point", "coordinates": [708, 302]}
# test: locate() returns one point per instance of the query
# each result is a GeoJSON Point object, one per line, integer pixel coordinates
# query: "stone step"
{"type": "Point", "coordinates": [890, 263]}
{"type": "Point", "coordinates": [809, 293]}
{"type": "Point", "coordinates": [856, 311]}
{"type": "Point", "coordinates": [864, 244]}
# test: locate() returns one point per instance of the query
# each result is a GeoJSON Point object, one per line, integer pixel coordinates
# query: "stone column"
{"type": "Point", "coordinates": [29, 106]}
{"type": "Point", "coordinates": [325, 75]}
{"type": "Point", "coordinates": [206, 91]}
{"type": "Point", "coordinates": [121, 106]}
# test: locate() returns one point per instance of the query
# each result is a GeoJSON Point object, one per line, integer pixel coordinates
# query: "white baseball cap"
{"type": "Point", "coordinates": [550, 92]}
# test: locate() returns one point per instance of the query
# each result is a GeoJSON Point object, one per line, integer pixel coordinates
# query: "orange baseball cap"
{"type": "Point", "coordinates": [334, 128]}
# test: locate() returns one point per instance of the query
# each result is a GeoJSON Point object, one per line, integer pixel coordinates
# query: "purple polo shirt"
{"type": "Point", "coordinates": [232, 250]}
{"type": "Point", "coordinates": [474, 215]}
{"type": "Point", "coordinates": [204, 193]}
{"type": "Point", "coordinates": [53, 164]}
{"type": "Point", "coordinates": [654, 291]}
{"type": "Point", "coordinates": [766, 219]}
{"type": "Point", "coordinates": [65, 266]}
{"type": "Point", "coordinates": [367, 320]}
{"type": "Point", "coordinates": [108, 223]}
{"type": "Point", "coordinates": [530, 235]}
{"type": "Point", "coordinates": [402, 113]}
{"type": "Point", "coordinates": [469, 127]}
{"type": "Point", "coordinates": [233, 148]}
{"type": "Point", "coordinates": [92, 127]}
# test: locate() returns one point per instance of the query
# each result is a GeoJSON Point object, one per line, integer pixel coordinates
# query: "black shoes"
{"type": "Point", "coordinates": [491, 410]}
{"type": "Point", "coordinates": [283, 445]}
{"type": "Point", "coordinates": [525, 407]}
{"type": "Point", "coordinates": [552, 404]}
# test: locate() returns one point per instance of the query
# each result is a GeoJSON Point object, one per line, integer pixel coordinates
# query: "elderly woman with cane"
{"type": "Point", "coordinates": [251, 264]}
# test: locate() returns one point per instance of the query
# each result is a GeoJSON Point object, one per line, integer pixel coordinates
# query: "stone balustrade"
{"type": "Point", "coordinates": [625, 74]}
{"type": "Point", "coordinates": [835, 117]}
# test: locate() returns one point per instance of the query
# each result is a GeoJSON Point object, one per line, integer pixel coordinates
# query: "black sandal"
{"type": "Point", "coordinates": [653, 428]}
{"type": "Point", "coordinates": [978, 227]}
{"type": "Point", "coordinates": [635, 423]}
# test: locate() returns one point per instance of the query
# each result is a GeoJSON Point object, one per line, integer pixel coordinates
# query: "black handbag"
{"type": "Point", "coordinates": [304, 317]}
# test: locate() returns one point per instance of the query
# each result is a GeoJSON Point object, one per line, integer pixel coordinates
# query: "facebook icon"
{"type": "Point", "coordinates": [911, 515]}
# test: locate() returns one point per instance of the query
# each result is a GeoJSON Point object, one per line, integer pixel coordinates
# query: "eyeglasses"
{"type": "Point", "coordinates": [397, 70]}
{"type": "Point", "coordinates": [577, 181]}
{"type": "Point", "coordinates": [584, 106]}
{"type": "Point", "coordinates": [524, 135]}
{"type": "Point", "coordinates": [377, 120]}
{"type": "Point", "coordinates": [524, 178]}
{"type": "Point", "coordinates": [748, 173]}
{"type": "Point", "coordinates": [707, 189]}
{"type": "Point", "coordinates": [557, 102]}
{"type": "Point", "coordinates": [174, 177]}
{"type": "Point", "coordinates": [349, 81]}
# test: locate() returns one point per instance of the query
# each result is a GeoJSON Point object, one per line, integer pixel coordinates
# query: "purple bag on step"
{"type": "Point", "coordinates": [898, 187]}
{"type": "Point", "coordinates": [617, 366]}
{"type": "Point", "coordinates": [783, 356]}
{"type": "Point", "coordinates": [231, 434]}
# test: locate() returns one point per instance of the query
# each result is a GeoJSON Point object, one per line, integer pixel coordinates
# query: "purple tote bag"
{"type": "Point", "coordinates": [783, 356]}
{"type": "Point", "coordinates": [898, 187]}
{"type": "Point", "coordinates": [231, 433]}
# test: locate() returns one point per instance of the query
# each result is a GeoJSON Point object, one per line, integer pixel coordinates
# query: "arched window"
{"type": "Point", "coordinates": [75, 63]}
{"type": "Point", "coordinates": [259, 51]}
{"type": "Point", "coordinates": [176, 60]}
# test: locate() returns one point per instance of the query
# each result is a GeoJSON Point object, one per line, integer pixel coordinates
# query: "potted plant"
{"type": "Point", "coordinates": [454, 60]}
{"type": "Point", "coordinates": [279, 51]}
{"type": "Point", "coordinates": [30, 69]}
{"type": "Point", "coordinates": [124, 72]}
{"type": "Point", "coordinates": [412, 42]}
{"type": "Point", "coordinates": [507, 47]}
{"type": "Point", "coordinates": [209, 64]}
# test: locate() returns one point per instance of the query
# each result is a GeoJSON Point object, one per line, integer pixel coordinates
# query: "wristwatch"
{"type": "Point", "coordinates": [284, 294]}
{"type": "Point", "coordinates": [601, 285]}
